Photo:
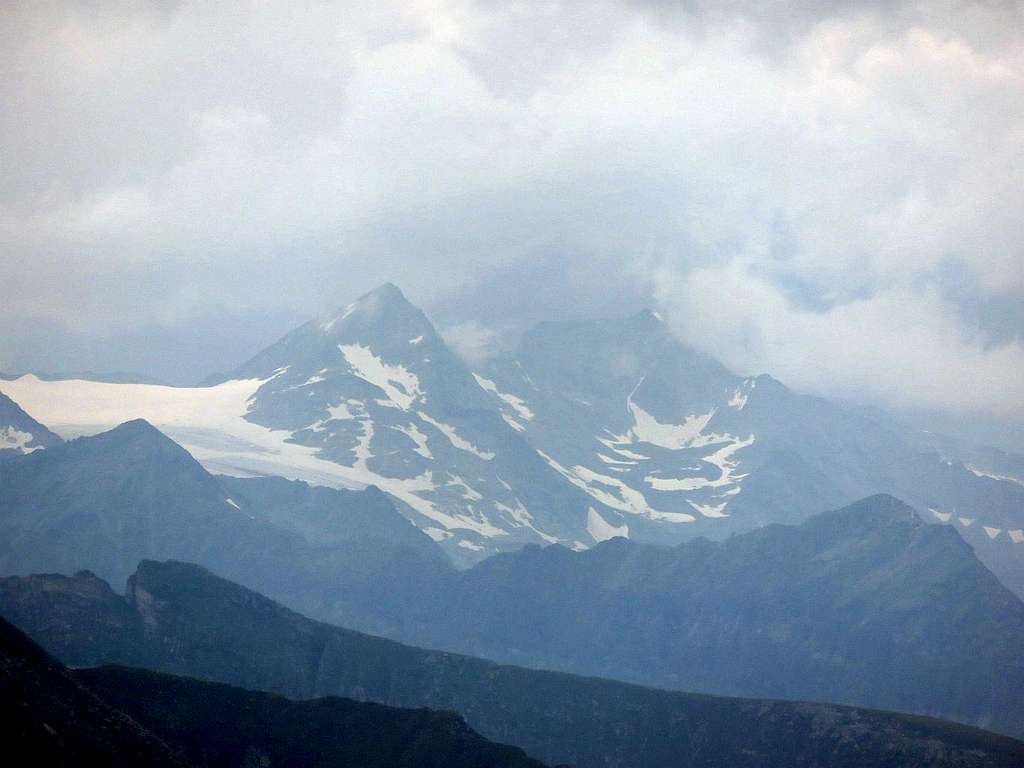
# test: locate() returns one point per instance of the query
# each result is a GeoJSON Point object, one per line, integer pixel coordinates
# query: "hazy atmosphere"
{"type": "Point", "coordinates": [829, 192]}
{"type": "Point", "coordinates": [489, 384]}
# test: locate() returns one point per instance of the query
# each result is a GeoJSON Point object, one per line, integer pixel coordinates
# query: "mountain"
{"type": "Point", "coordinates": [659, 432]}
{"type": "Point", "coordinates": [369, 396]}
{"type": "Point", "coordinates": [103, 502]}
{"type": "Point", "coordinates": [118, 717]}
{"type": "Point", "coordinates": [377, 391]}
{"type": "Point", "coordinates": [19, 432]}
{"type": "Point", "coordinates": [866, 605]}
{"type": "Point", "coordinates": [589, 430]}
{"type": "Point", "coordinates": [50, 716]}
{"type": "Point", "coordinates": [188, 621]}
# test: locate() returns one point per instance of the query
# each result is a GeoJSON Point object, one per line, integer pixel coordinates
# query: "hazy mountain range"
{"type": "Point", "coordinates": [868, 605]}
{"type": "Point", "coordinates": [602, 502]}
{"type": "Point", "coordinates": [590, 430]}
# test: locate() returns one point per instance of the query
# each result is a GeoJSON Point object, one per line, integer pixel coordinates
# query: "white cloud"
{"type": "Point", "coordinates": [473, 342]}
{"type": "Point", "coordinates": [900, 347]}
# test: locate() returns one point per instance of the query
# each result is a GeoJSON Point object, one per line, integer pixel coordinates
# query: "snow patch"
{"type": "Point", "coordinates": [1005, 478]}
{"type": "Point", "coordinates": [522, 518]}
{"type": "Point", "coordinates": [942, 516]}
{"type": "Point", "coordinates": [341, 411]}
{"type": "Point", "coordinates": [710, 510]}
{"type": "Point", "coordinates": [401, 386]}
{"type": "Point", "coordinates": [738, 400]}
{"type": "Point", "coordinates": [470, 545]}
{"type": "Point", "coordinates": [601, 530]}
{"type": "Point", "coordinates": [438, 534]}
{"type": "Point", "coordinates": [619, 462]}
{"type": "Point", "coordinates": [231, 503]}
{"type": "Point", "coordinates": [992, 532]}
{"type": "Point", "coordinates": [517, 403]}
{"type": "Point", "coordinates": [614, 445]}
{"type": "Point", "coordinates": [622, 497]}
{"type": "Point", "coordinates": [647, 429]}
{"type": "Point", "coordinates": [453, 437]}
{"type": "Point", "coordinates": [513, 423]}
{"type": "Point", "coordinates": [328, 326]}
{"type": "Point", "coordinates": [1016, 536]}
{"type": "Point", "coordinates": [417, 340]}
{"type": "Point", "coordinates": [420, 439]}
{"type": "Point", "coordinates": [468, 492]}
{"type": "Point", "coordinates": [722, 459]}
{"type": "Point", "coordinates": [16, 440]}
{"type": "Point", "coordinates": [966, 521]}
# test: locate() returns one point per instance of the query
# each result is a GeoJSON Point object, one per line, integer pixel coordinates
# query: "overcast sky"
{"type": "Point", "coordinates": [832, 192]}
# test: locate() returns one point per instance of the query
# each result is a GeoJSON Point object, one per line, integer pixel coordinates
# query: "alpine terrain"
{"type": "Point", "coordinates": [591, 430]}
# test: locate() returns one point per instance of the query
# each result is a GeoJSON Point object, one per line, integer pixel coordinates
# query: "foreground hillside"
{"type": "Point", "coordinates": [180, 618]}
{"type": "Point", "coordinates": [55, 721]}
{"type": "Point", "coordinates": [128, 717]}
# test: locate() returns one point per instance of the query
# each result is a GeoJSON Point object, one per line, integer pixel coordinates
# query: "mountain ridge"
{"type": "Point", "coordinates": [197, 623]}
{"type": "Point", "coordinates": [588, 429]}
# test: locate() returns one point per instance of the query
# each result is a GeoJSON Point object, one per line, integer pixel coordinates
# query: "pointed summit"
{"type": "Point", "coordinates": [384, 302]}
{"type": "Point", "coordinates": [138, 445]}
{"type": "Point", "coordinates": [386, 291]}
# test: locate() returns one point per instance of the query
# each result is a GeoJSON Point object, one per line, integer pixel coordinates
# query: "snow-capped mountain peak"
{"type": "Point", "coordinates": [375, 390]}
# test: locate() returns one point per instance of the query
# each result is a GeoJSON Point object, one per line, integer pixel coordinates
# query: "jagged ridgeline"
{"type": "Point", "coordinates": [589, 430]}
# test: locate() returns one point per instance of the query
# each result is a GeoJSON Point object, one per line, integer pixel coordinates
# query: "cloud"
{"type": "Point", "coordinates": [900, 347]}
{"type": "Point", "coordinates": [473, 342]}
{"type": "Point", "coordinates": [782, 181]}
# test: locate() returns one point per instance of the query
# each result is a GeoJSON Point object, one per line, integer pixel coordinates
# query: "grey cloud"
{"type": "Point", "coordinates": [175, 171]}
